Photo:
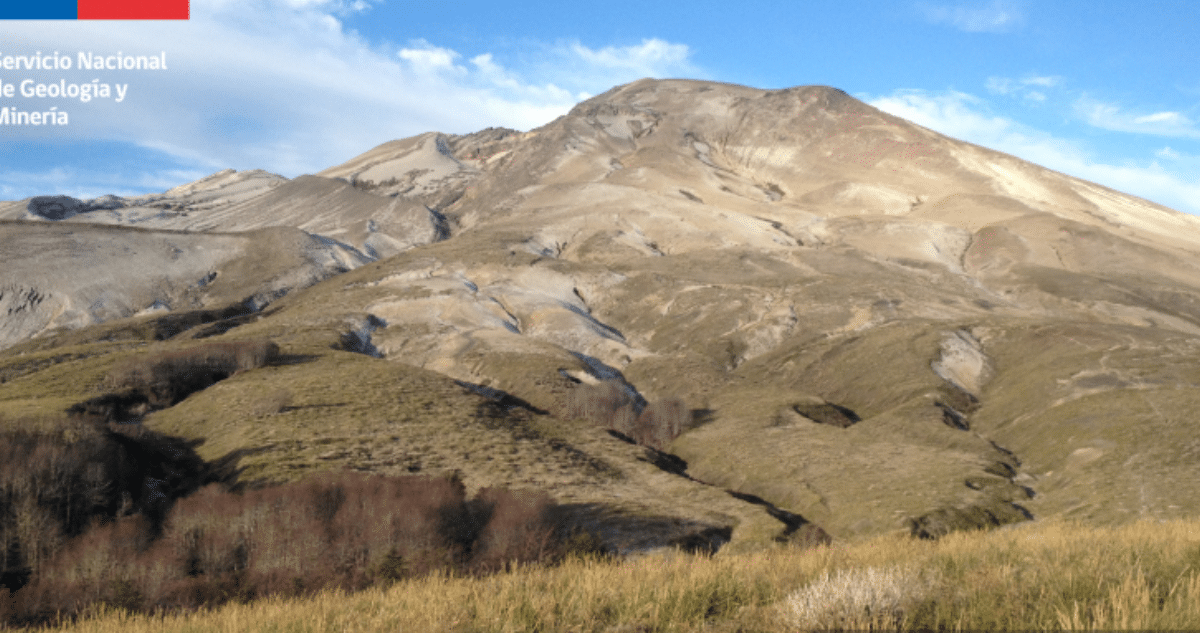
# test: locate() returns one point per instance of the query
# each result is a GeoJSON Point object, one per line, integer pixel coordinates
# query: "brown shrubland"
{"type": "Point", "coordinates": [610, 405]}
{"type": "Point", "coordinates": [343, 531]}
{"type": "Point", "coordinates": [661, 422]}
{"type": "Point", "coordinates": [519, 528]}
{"type": "Point", "coordinates": [58, 478]}
{"type": "Point", "coordinates": [1050, 575]}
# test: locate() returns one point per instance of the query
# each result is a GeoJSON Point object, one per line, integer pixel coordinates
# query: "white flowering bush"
{"type": "Point", "coordinates": [855, 599]}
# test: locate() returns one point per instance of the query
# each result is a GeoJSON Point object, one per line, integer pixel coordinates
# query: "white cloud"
{"type": "Point", "coordinates": [953, 113]}
{"type": "Point", "coordinates": [1110, 116]}
{"type": "Point", "coordinates": [966, 117]}
{"type": "Point", "coordinates": [1045, 82]}
{"type": "Point", "coordinates": [587, 71]}
{"type": "Point", "coordinates": [428, 58]}
{"type": "Point", "coordinates": [87, 184]}
{"type": "Point", "coordinates": [645, 59]}
{"type": "Point", "coordinates": [1022, 87]}
{"type": "Point", "coordinates": [997, 17]}
{"type": "Point", "coordinates": [282, 85]}
{"type": "Point", "coordinates": [1170, 118]}
{"type": "Point", "coordinates": [1000, 85]}
{"type": "Point", "coordinates": [1167, 153]}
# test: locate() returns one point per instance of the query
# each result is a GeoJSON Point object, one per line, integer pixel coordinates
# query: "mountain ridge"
{"type": "Point", "coordinates": [879, 328]}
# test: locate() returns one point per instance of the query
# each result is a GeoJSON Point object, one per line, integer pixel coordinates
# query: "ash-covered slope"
{"type": "Point", "coordinates": [381, 202]}
{"type": "Point", "coordinates": [52, 282]}
{"type": "Point", "coordinates": [880, 328]}
{"type": "Point", "coordinates": [245, 201]}
{"type": "Point", "coordinates": [801, 157]}
{"type": "Point", "coordinates": [63, 276]}
{"type": "Point", "coordinates": [805, 179]}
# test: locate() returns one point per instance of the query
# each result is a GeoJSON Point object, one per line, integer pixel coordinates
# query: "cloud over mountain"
{"type": "Point", "coordinates": [296, 63]}
{"type": "Point", "coordinates": [966, 116]}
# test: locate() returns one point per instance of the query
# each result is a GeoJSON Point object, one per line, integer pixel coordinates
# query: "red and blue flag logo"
{"type": "Point", "coordinates": [94, 10]}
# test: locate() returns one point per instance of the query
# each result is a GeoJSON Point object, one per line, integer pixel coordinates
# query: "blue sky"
{"type": "Point", "coordinates": [1106, 91]}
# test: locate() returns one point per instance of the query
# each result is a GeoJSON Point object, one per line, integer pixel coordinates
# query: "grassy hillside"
{"type": "Point", "coordinates": [319, 407]}
{"type": "Point", "coordinates": [1052, 575]}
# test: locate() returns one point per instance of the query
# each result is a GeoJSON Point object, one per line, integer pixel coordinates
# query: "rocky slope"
{"type": "Point", "coordinates": [60, 276]}
{"type": "Point", "coordinates": [878, 327]}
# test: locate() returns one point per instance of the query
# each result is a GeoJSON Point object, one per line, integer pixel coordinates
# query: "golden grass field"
{"type": "Point", "coordinates": [1052, 575]}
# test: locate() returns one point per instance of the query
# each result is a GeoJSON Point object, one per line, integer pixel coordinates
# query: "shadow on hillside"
{"type": "Point", "coordinates": [323, 405]}
{"type": "Point", "coordinates": [501, 399]}
{"type": "Point", "coordinates": [197, 324]}
{"type": "Point", "coordinates": [666, 462]}
{"type": "Point", "coordinates": [797, 529]}
{"type": "Point", "coordinates": [624, 534]}
{"type": "Point", "coordinates": [990, 513]}
{"type": "Point", "coordinates": [701, 417]}
{"type": "Point", "coordinates": [294, 359]}
{"type": "Point", "coordinates": [153, 381]}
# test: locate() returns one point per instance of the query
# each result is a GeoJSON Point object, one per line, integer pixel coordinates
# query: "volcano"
{"type": "Point", "coordinates": [873, 327]}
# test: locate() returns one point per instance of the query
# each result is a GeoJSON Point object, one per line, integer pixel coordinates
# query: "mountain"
{"type": "Point", "coordinates": [876, 327]}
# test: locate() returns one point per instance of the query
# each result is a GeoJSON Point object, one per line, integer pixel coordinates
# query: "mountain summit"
{"type": "Point", "coordinates": [874, 327]}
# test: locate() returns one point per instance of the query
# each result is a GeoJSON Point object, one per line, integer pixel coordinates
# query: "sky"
{"type": "Point", "coordinates": [1105, 91]}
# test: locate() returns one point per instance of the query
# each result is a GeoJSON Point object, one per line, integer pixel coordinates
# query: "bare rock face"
{"type": "Point", "coordinates": [877, 328]}
{"type": "Point", "coordinates": [63, 207]}
{"type": "Point", "coordinates": [55, 207]}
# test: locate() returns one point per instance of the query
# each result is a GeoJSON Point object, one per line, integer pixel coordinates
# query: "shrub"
{"type": "Point", "coordinates": [855, 599]}
{"type": "Point", "coordinates": [342, 530]}
{"type": "Point", "coordinates": [51, 484]}
{"type": "Point", "coordinates": [7, 607]}
{"type": "Point", "coordinates": [56, 481]}
{"type": "Point", "coordinates": [580, 543]}
{"type": "Point", "coordinates": [346, 530]}
{"type": "Point", "coordinates": [173, 323]}
{"type": "Point", "coordinates": [661, 422]}
{"type": "Point", "coordinates": [165, 378]}
{"type": "Point", "coordinates": [104, 564]}
{"type": "Point", "coordinates": [36, 531]}
{"type": "Point", "coordinates": [609, 404]}
{"type": "Point", "coordinates": [390, 568]}
{"type": "Point", "coordinates": [519, 528]}
{"type": "Point", "coordinates": [382, 519]}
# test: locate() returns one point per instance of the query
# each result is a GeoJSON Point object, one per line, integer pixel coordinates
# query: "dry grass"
{"type": "Point", "coordinates": [1046, 576]}
{"type": "Point", "coordinates": [272, 403]}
